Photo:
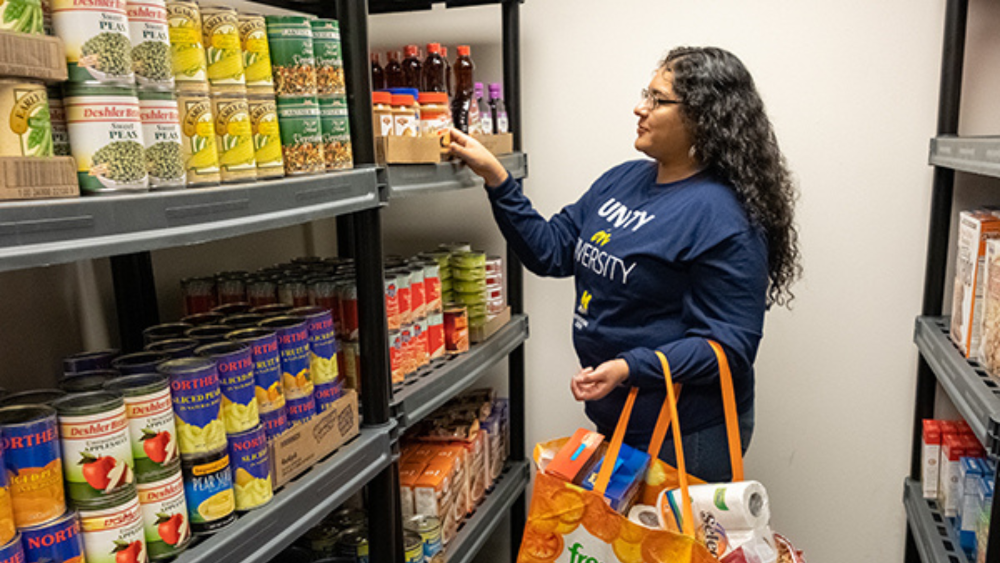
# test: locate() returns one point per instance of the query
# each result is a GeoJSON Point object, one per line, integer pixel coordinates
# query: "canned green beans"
{"type": "Point", "coordinates": [161, 133]}
{"type": "Point", "coordinates": [336, 132]}
{"type": "Point", "coordinates": [150, 35]}
{"type": "Point", "coordinates": [301, 135]}
{"type": "Point", "coordinates": [25, 124]}
{"type": "Point", "coordinates": [96, 37]}
{"type": "Point", "coordinates": [293, 60]}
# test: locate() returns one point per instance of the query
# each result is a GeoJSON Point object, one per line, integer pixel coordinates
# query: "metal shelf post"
{"type": "Point", "coordinates": [135, 297]}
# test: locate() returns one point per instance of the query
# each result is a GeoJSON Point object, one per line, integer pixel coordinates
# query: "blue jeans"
{"type": "Point", "coordinates": [706, 452]}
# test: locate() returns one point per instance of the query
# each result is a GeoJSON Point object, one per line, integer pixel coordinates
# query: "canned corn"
{"type": "Point", "coordinates": [234, 136]}
{"type": "Point", "coordinates": [187, 54]}
{"type": "Point", "coordinates": [221, 38]}
{"type": "Point", "coordinates": [198, 145]}
{"type": "Point", "coordinates": [25, 119]}
{"type": "Point", "coordinates": [256, 55]}
{"type": "Point", "coordinates": [266, 135]}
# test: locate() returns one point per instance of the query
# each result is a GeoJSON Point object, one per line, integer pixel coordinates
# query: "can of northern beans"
{"type": "Point", "coordinates": [209, 334]}
{"type": "Point", "coordinates": [57, 541]}
{"type": "Point", "coordinates": [208, 487]}
{"type": "Point", "coordinates": [28, 398]}
{"type": "Point", "coordinates": [32, 461]}
{"type": "Point", "coordinates": [234, 136]}
{"type": "Point", "coordinates": [152, 432]}
{"type": "Point", "coordinates": [175, 347]}
{"type": "Point", "coordinates": [109, 532]}
{"type": "Point", "coordinates": [106, 138]}
{"type": "Point", "coordinates": [25, 119]}
{"type": "Point", "coordinates": [248, 454]}
{"type": "Point", "coordinates": [202, 319]}
{"type": "Point", "coordinates": [300, 410]}
{"type": "Point", "coordinates": [293, 345]}
{"type": "Point", "coordinates": [336, 127]}
{"type": "Point", "coordinates": [329, 60]}
{"type": "Point", "coordinates": [198, 137]}
{"type": "Point", "coordinates": [322, 343]}
{"type": "Point", "coordinates": [197, 403]}
{"type": "Point", "coordinates": [353, 542]}
{"type": "Point", "coordinates": [263, 345]}
{"type": "Point", "coordinates": [12, 551]}
{"type": "Point", "coordinates": [274, 422]}
{"type": "Point", "coordinates": [187, 54]}
{"type": "Point", "coordinates": [429, 530]}
{"type": "Point", "coordinates": [96, 37]}
{"type": "Point", "coordinates": [413, 547]}
{"type": "Point", "coordinates": [97, 452]}
{"type": "Point", "coordinates": [266, 135]}
{"type": "Point", "coordinates": [234, 362]}
{"type": "Point", "coordinates": [161, 134]}
{"type": "Point", "coordinates": [301, 135]}
{"type": "Point", "coordinates": [139, 362]}
{"type": "Point", "coordinates": [293, 60]}
{"type": "Point", "coordinates": [88, 361]}
{"type": "Point", "coordinates": [325, 394]}
{"type": "Point", "coordinates": [256, 55]}
{"type": "Point", "coordinates": [86, 381]}
{"type": "Point", "coordinates": [150, 35]}
{"type": "Point", "coordinates": [221, 37]}
{"type": "Point", "coordinates": [166, 331]}
{"type": "Point", "coordinates": [166, 525]}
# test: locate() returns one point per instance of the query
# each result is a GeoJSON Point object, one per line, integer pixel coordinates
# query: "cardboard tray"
{"type": "Point", "coordinates": [497, 144]}
{"type": "Point", "coordinates": [38, 57]}
{"type": "Point", "coordinates": [479, 334]}
{"type": "Point", "coordinates": [303, 445]}
{"type": "Point", "coordinates": [25, 177]}
{"type": "Point", "coordinates": [407, 150]}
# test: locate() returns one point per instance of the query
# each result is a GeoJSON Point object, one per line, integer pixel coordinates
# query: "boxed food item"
{"type": "Point", "coordinates": [577, 457]}
{"type": "Point", "coordinates": [458, 459]}
{"type": "Point", "coordinates": [493, 324]}
{"type": "Point", "coordinates": [975, 228]}
{"type": "Point", "coordinates": [930, 458]}
{"type": "Point", "coordinates": [628, 473]}
{"type": "Point", "coordinates": [477, 469]}
{"type": "Point", "coordinates": [434, 494]}
{"type": "Point", "coordinates": [952, 450]}
{"type": "Point", "coordinates": [409, 474]}
{"type": "Point", "coordinates": [301, 446]}
{"type": "Point", "coordinates": [989, 352]}
{"type": "Point", "coordinates": [491, 428]}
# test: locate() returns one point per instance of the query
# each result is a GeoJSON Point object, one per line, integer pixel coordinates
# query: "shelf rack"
{"type": "Point", "coordinates": [418, 179]}
{"type": "Point", "coordinates": [498, 502]}
{"type": "Point", "coordinates": [935, 539]}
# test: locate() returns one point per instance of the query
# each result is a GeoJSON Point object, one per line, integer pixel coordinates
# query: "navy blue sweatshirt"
{"type": "Point", "coordinates": [657, 267]}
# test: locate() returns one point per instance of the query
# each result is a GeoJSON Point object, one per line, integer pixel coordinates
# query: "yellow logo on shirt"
{"type": "Point", "coordinates": [585, 301]}
{"type": "Point", "coordinates": [601, 237]}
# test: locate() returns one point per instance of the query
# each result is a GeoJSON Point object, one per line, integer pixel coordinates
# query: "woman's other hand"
{"type": "Point", "coordinates": [591, 384]}
{"type": "Point", "coordinates": [480, 160]}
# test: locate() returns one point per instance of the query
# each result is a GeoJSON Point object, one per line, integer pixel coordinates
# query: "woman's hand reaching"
{"type": "Point", "coordinates": [480, 160]}
{"type": "Point", "coordinates": [591, 384]}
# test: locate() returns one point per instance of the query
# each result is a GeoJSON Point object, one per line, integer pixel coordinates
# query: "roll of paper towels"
{"type": "Point", "coordinates": [645, 515]}
{"type": "Point", "coordinates": [736, 506]}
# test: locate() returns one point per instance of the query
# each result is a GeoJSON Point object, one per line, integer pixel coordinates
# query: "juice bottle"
{"type": "Point", "coordinates": [394, 71]}
{"type": "Point", "coordinates": [485, 116]}
{"type": "Point", "coordinates": [378, 75]}
{"type": "Point", "coordinates": [449, 87]}
{"type": "Point", "coordinates": [411, 67]}
{"type": "Point", "coordinates": [433, 71]}
{"type": "Point", "coordinates": [499, 110]}
{"type": "Point", "coordinates": [464, 109]}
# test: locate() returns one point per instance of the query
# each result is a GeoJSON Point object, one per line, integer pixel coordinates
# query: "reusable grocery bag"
{"type": "Point", "coordinates": [569, 524]}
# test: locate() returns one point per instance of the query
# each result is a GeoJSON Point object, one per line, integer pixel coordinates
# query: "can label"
{"type": "Point", "coordinates": [326, 394]}
{"type": "Point", "coordinates": [256, 55]}
{"type": "Point", "coordinates": [25, 120]}
{"type": "Point", "coordinates": [108, 533]}
{"type": "Point", "coordinates": [348, 299]}
{"type": "Point", "coordinates": [435, 334]}
{"type": "Point", "coordinates": [274, 422]}
{"type": "Point", "coordinates": [26, 16]}
{"type": "Point", "coordinates": [58, 541]}
{"type": "Point", "coordinates": [199, 145]}
{"type": "Point", "coordinates": [396, 356]}
{"type": "Point", "coordinates": [153, 436]}
{"type": "Point", "coordinates": [234, 134]}
{"type": "Point", "coordinates": [97, 458]}
{"type": "Point", "coordinates": [322, 348]}
{"type": "Point", "coordinates": [34, 466]}
{"type": "Point", "coordinates": [267, 373]}
{"type": "Point", "coordinates": [266, 137]}
{"type": "Point", "coordinates": [414, 551]}
{"type": "Point", "coordinates": [165, 517]}
{"type": "Point", "coordinates": [208, 488]}
{"type": "Point", "coordinates": [417, 301]}
{"type": "Point", "coordinates": [239, 400]}
{"type": "Point", "coordinates": [405, 306]}
{"type": "Point", "coordinates": [293, 60]}
{"type": "Point", "coordinates": [392, 302]}
{"type": "Point", "coordinates": [150, 37]}
{"type": "Point", "coordinates": [293, 342]}
{"type": "Point", "coordinates": [96, 36]}
{"type": "Point", "coordinates": [106, 141]}
{"type": "Point", "coordinates": [12, 552]}
{"type": "Point", "coordinates": [197, 402]}
{"type": "Point", "coordinates": [221, 38]}
{"type": "Point", "coordinates": [187, 54]}
{"type": "Point", "coordinates": [420, 348]}
{"type": "Point", "coordinates": [161, 134]}
{"type": "Point", "coordinates": [329, 60]}
{"type": "Point", "coordinates": [456, 330]}
{"type": "Point", "coordinates": [252, 467]}
{"type": "Point", "coordinates": [60, 135]}
{"type": "Point", "coordinates": [336, 129]}
{"type": "Point", "coordinates": [432, 289]}
{"type": "Point", "coordinates": [301, 135]}
{"type": "Point", "coordinates": [301, 409]}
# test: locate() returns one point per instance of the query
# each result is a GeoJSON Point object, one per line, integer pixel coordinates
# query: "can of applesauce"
{"type": "Point", "coordinates": [149, 409]}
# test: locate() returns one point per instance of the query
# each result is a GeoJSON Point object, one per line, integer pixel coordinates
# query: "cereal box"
{"type": "Point", "coordinates": [975, 228]}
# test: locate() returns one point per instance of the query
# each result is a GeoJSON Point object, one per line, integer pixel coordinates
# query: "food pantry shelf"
{"type": "Point", "coordinates": [433, 387]}
{"type": "Point", "coordinates": [389, 6]}
{"type": "Point", "coordinates": [934, 537]}
{"type": "Point", "coordinates": [39, 233]}
{"type": "Point", "coordinates": [974, 392]}
{"type": "Point", "coordinates": [418, 179]}
{"type": "Point", "coordinates": [259, 535]}
{"type": "Point", "coordinates": [478, 528]}
{"type": "Point", "coordinates": [979, 155]}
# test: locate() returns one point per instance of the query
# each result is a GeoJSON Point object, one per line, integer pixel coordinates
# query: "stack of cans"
{"type": "Point", "coordinates": [414, 314]}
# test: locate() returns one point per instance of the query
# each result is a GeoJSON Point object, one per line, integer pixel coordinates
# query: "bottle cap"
{"type": "Point", "coordinates": [444, 51]}
{"type": "Point", "coordinates": [376, 58]}
{"type": "Point", "coordinates": [401, 91]}
{"type": "Point", "coordinates": [496, 90]}
{"type": "Point", "coordinates": [433, 98]}
{"type": "Point", "coordinates": [412, 50]}
{"type": "Point", "coordinates": [381, 98]}
{"type": "Point", "coordinates": [464, 50]}
{"type": "Point", "coordinates": [402, 100]}
{"type": "Point", "coordinates": [392, 55]}
{"type": "Point", "coordinates": [478, 89]}
{"type": "Point", "coordinates": [433, 48]}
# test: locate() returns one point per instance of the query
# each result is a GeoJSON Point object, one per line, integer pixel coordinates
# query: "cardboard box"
{"type": "Point", "coordinates": [302, 445]}
{"type": "Point", "coordinates": [479, 334]}
{"type": "Point", "coordinates": [497, 144]}
{"type": "Point", "coordinates": [409, 474]}
{"type": "Point", "coordinates": [577, 457]}
{"type": "Point", "coordinates": [930, 457]}
{"type": "Point", "coordinates": [989, 342]}
{"type": "Point", "coordinates": [38, 57]}
{"type": "Point", "coordinates": [407, 150]}
{"type": "Point", "coordinates": [975, 228]}
{"type": "Point", "coordinates": [25, 177]}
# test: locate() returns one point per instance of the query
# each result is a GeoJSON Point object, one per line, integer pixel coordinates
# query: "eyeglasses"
{"type": "Point", "coordinates": [652, 101]}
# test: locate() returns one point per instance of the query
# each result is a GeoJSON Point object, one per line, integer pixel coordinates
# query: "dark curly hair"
{"type": "Point", "coordinates": [733, 138]}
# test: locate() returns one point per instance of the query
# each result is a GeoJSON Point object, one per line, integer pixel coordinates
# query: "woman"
{"type": "Point", "coordinates": [694, 244]}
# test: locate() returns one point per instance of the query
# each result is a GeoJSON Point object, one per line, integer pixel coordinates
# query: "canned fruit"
{"type": "Point", "coordinates": [326, 394]}
{"type": "Point", "coordinates": [149, 409]}
{"type": "Point", "coordinates": [8, 527]}
{"type": "Point", "coordinates": [199, 439]}
{"type": "Point", "coordinates": [301, 409]}
{"type": "Point", "coordinates": [22, 16]}
{"type": "Point", "coordinates": [57, 542]}
{"type": "Point", "coordinates": [165, 517]}
{"type": "Point", "coordinates": [208, 488]}
{"type": "Point", "coordinates": [33, 464]}
{"type": "Point", "coordinates": [114, 535]}
{"type": "Point", "coordinates": [197, 403]}
{"type": "Point", "coordinates": [187, 54]}
{"type": "Point", "coordinates": [274, 422]}
{"type": "Point", "coordinates": [25, 120]}
{"type": "Point", "coordinates": [293, 345]}
{"type": "Point", "coordinates": [12, 551]}
{"type": "Point", "coordinates": [267, 366]}
{"type": "Point", "coordinates": [248, 453]}
{"type": "Point", "coordinates": [234, 362]}
{"type": "Point", "coordinates": [322, 343]}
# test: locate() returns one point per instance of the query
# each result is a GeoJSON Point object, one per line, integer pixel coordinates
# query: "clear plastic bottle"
{"type": "Point", "coordinates": [433, 71]}
{"type": "Point", "coordinates": [411, 67]}
{"type": "Point", "coordinates": [378, 75]}
{"type": "Point", "coordinates": [464, 109]}
{"type": "Point", "coordinates": [485, 115]}
{"type": "Point", "coordinates": [394, 71]}
{"type": "Point", "coordinates": [501, 124]}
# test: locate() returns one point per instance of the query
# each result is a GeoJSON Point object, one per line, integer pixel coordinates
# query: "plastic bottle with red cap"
{"type": "Point", "coordinates": [394, 71]}
{"type": "Point", "coordinates": [411, 67]}
{"type": "Point", "coordinates": [433, 71]}
{"type": "Point", "coordinates": [378, 74]}
{"type": "Point", "coordinates": [464, 109]}
{"type": "Point", "coordinates": [448, 86]}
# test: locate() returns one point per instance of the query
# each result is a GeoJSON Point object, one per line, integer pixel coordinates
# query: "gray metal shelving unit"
{"type": "Point", "coordinates": [978, 155]}
{"type": "Point", "coordinates": [935, 540]}
{"type": "Point", "coordinates": [40, 233]}
{"type": "Point", "coordinates": [418, 179]}
{"type": "Point", "coordinates": [433, 387]}
{"type": "Point", "coordinates": [477, 529]}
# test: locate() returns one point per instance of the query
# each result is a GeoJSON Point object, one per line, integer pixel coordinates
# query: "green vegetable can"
{"type": "Point", "coordinates": [161, 134]}
{"type": "Point", "coordinates": [329, 60]}
{"type": "Point", "coordinates": [187, 54]}
{"type": "Point", "coordinates": [201, 157]}
{"type": "Point", "coordinates": [266, 135]}
{"type": "Point", "coordinates": [336, 132]}
{"type": "Point", "coordinates": [150, 35]}
{"type": "Point", "coordinates": [25, 127]}
{"type": "Point", "coordinates": [220, 28]}
{"type": "Point", "coordinates": [96, 36]}
{"type": "Point", "coordinates": [106, 138]}
{"type": "Point", "coordinates": [301, 135]}
{"type": "Point", "coordinates": [23, 16]}
{"type": "Point", "coordinates": [293, 59]}
{"type": "Point", "coordinates": [57, 116]}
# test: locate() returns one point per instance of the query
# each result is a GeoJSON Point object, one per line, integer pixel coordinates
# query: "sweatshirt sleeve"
{"type": "Point", "coordinates": [726, 303]}
{"type": "Point", "coordinates": [545, 247]}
